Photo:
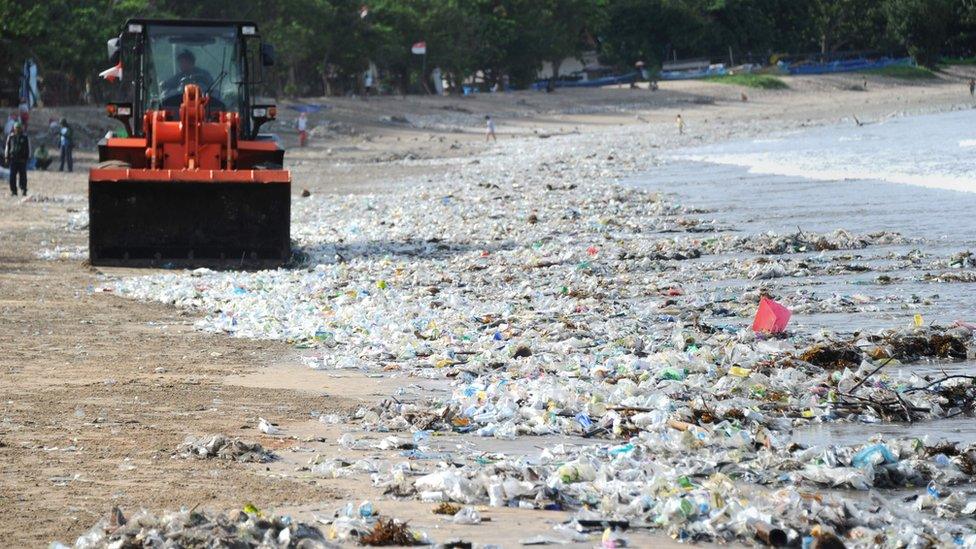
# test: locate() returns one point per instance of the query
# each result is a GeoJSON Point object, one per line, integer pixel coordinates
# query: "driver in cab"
{"type": "Point", "coordinates": [188, 73]}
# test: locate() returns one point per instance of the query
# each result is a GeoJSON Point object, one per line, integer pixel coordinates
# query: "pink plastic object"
{"type": "Point", "coordinates": [771, 317]}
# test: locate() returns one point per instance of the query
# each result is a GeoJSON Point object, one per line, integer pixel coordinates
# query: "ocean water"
{"type": "Point", "coordinates": [913, 175]}
{"type": "Point", "coordinates": [936, 151]}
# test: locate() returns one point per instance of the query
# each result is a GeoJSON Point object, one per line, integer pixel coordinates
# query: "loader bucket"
{"type": "Point", "coordinates": [189, 218]}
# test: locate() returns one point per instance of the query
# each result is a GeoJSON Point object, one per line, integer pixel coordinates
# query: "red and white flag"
{"type": "Point", "coordinates": [112, 74]}
{"type": "Point", "coordinates": [420, 48]}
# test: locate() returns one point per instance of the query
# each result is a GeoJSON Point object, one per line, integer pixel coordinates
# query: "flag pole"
{"type": "Point", "coordinates": [423, 71]}
{"type": "Point", "coordinates": [420, 48]}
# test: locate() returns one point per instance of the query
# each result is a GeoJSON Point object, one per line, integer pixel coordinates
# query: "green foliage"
{"type": "Point", "coordinates": [759, 81]}
{"type": "Point", "coordinates": [324, 46]}
{"type": "Point", "coordinates": [66, 37]}
{"type": "Point", "coordinates": [922, 25]}
{"type": "Point", "coordinates": [651, 31]}
{"type": "Point", "coordinates": [904, 73]}
{"type": "Point", "coordinates": [566, 28]}
{"type": "Point", "coordinates": [948, 61]}
{"type": "Point", "coordinates": [846, 24]}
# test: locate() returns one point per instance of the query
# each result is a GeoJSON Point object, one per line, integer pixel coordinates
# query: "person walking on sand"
{"type": "Point", "coordinates": [302, 129]}
{"type": "Point", "coordinates": [368, 83]}
{"type": "Point", "coordinates": [490, 129]}
{"type": "Point", "coordinates": [17, 154]}
{"type": "Point", "coordinates": [66, 144]}
{"type": "Point", "coordinates": [972, 87]}
{"type": "Point", "coordinates": [680, 123]}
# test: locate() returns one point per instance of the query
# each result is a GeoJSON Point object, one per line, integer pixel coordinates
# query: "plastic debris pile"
{"type": "Point", "coordinates": [693, 499]}
{"type": "Point", "coordinates": [244, 529]}
{"type": "Point", "coordinates": [606, 313]}
{"type": "Point", "coordinates": [394, 278]}
{"type": "Point", "coordinates": [63, 253]}
{"type": "Point", "coordinates": [224, 448]}
{"type": "Point", "coordinates": [365, 525]}
{"type": "Point", "coordinates": [521, 390]}
{"type": "Point", "coordinates": [251, 528]}
{"type": "Point", "coordinates": [717, 484]}
{"type": "Point", "coordinates": [692, 427]}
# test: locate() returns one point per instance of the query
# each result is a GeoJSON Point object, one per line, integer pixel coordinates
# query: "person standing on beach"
{"type": "Point", "coordinates": [66, 143]}
{"type": "Point", "coordinates": [17, 153]}
{"type": "Point", "coordinates": [680, 122]}
{"type": "Point", "coordinates": [490, 129]}
{"type": "Point", "coordinates": [302, 129]}
{"type": "Point", "coordinates": [368, 83]}
{"type": "Point", "coordinates": [972, 87]}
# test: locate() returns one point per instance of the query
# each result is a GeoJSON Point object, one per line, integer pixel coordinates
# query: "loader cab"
{"type": "Point", "coordinates": [225, 59]}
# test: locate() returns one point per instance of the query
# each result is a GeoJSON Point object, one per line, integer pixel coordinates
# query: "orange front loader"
{"type": "Point", "coordinates": [194, 183]}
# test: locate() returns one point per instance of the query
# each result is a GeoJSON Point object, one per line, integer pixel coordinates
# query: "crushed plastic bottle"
{"type": "Point", "coordinates": [467, 515]}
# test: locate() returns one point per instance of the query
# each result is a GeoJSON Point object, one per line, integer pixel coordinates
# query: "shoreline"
{"type": "Point", "coordinates": [871, 151]}
{"type": "Point", "coordinates": [222, 374]}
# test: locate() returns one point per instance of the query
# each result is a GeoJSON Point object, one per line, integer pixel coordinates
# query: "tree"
{"type": "Point", "coordinates": [921, 25]}
{"type": "Point", "coordinates": [650, 31]}
{"type": "Point", "coordinates": [756, 26]}
{"type": "Point", "coordinates": [568, 28]}
{"type": "Point", "coordinates": [515, 40]}
{"type": "Point", "coordinates": [962, 31]}
{"type": "Point", "coordinates": [65, 38]}
{"type": "Point", "coordinates": [396, 26]}
{"type": "Point", "coordinates": [845, 23]}
{"type": "Point", "coordinates": [325, 45]}
{"type": "Point", "coordinates": [452, 30]}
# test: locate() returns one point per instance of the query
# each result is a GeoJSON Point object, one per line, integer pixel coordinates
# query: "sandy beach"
{"type": "Point", "coordinates": [411, 216]}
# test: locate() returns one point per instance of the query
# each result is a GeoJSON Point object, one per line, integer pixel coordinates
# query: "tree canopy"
{"type": "Point", "coordinates": [324, 46]}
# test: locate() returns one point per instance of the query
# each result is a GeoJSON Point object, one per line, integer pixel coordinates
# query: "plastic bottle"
{"type": "Point", "coordinates": [876, 454]}
{"type": "Point", "coordinates": [673, 374]}
{"type": "Point", "coordinates": [467, 515]}
{"type": "Point", "coordinates": [366, 509]}
{"type": "Point", "coordinates": [496, 495]}
{"type": "Point", "coordinates": [421, 437]}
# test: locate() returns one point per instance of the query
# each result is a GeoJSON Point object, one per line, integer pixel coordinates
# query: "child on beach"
{"type": "Point", "coordinates": [490, 129]}
{"type": "Point", "coordinates": [302, 129]}
{"type": "Point", "coordinates": [680, 122]}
